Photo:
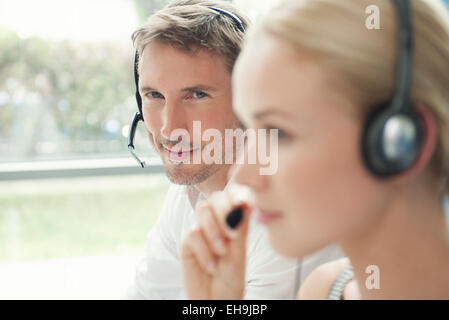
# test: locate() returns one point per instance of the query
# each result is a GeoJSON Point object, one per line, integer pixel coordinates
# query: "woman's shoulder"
{"type": "Point", "coordinates": [318, 284]}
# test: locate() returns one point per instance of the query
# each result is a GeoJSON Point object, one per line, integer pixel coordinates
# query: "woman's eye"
{"type": "Point", "coordinates": [282, 135]}
{"type": "Point", "coordinates": [199, 94]}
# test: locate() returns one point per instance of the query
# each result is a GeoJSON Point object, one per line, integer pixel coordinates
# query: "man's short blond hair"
{"type": "Point", "coordinates": [190, 25]}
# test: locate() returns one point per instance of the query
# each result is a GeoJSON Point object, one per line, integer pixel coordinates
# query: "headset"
{"type": "Point", "coordinates": [393, 133]}
{"type": "Point", "coordinates": [138, 116]}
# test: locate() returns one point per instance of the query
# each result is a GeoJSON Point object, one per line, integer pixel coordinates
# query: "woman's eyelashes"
{"type": "Point", "coordinates": [283, 135]}
{"type": "Point", "coordinates": [242, 125]}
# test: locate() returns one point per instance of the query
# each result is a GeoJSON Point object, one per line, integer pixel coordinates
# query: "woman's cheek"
{"type": "Point", "coordinates": [308, 182]}
{"type": "Point", "coordinates": [297, 169]}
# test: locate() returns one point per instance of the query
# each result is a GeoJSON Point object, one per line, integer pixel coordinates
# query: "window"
{"type": "Point", "coordinates": [75, 208]}
{"type": "Point", "coordinates": [66, 98]}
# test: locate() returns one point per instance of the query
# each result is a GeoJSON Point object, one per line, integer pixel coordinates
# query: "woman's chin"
{"type": "Point", "coordinates": [287, 245]}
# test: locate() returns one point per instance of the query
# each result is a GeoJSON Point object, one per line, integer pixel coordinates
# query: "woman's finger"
{"type": "Point", "coordinates": [195, 246]}
{"type": "Point", "coordinates": [214, 233]}
{"type": "Point", "coordinates": [223, 205]}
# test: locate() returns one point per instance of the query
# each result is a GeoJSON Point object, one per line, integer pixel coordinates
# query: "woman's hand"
{"type": "Point", "coordinates": [213, 255]}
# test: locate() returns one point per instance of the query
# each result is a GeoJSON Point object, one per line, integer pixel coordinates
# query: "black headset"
{"type": "Point", "coordinates": [138, 116]}
{"type": "Point", "coordinates": [393, 133]}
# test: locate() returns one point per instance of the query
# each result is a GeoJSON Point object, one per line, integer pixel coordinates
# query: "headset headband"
{"type": "Point", "coordinates": [234, 17]}
{"type": "Point", "coordinates": [401, 99]}
{"type": "Point", "coordinates": [231, 15]}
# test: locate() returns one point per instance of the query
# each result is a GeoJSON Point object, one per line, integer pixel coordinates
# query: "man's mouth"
{"type": "Point", "coordinates": [178, 154]}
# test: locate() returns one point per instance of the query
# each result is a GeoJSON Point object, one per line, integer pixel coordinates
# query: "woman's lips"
{"type": "Point", "coordinates": [265, 216]}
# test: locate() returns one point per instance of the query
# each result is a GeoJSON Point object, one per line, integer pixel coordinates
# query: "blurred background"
{"type": "Point", "coordinates": [75, 208]}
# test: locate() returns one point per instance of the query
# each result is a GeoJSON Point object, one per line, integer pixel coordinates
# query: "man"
{"type": "Point", "coordinates": [186, 54]}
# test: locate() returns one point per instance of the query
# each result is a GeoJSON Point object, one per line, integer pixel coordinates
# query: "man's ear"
{"type": "Point", "coordinates": [429, 141]}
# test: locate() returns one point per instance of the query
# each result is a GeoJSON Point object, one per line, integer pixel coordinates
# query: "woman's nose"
{"type": "Point", "coordinates": [247, 172]}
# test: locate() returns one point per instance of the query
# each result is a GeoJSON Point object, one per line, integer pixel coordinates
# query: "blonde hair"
{"type": "Point", "coordinates": [190, 25]}
{"type": "Point", "coordinates": [333, 33]}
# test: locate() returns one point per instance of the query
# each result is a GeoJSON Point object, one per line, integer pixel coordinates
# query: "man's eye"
{"type": "Point", "coordinates": [199, 94]}
{"type": "Point", "coordinates": [155, 95]}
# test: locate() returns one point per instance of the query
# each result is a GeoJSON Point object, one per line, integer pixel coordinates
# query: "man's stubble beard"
{"type": "Point", "coordinates": [186, 174]}
{"type": "Point", "coordinates": [191, 174]}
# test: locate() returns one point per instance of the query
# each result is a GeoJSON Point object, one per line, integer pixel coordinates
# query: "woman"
{"type": "Point", "coordinates": [316, 72]}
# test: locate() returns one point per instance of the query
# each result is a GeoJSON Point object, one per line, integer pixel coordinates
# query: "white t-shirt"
{"type": "Point", "coordinates": [268, 275]}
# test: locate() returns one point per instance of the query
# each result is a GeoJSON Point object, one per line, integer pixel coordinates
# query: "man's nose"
{"type": "Point", "coordinates": [173, 117]}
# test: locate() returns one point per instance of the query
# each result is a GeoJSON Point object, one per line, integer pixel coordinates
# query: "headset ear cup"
{"type": "Point", "coordinates": [372, 142]}
{"type": "Point", "coordinates": [391, 140]}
